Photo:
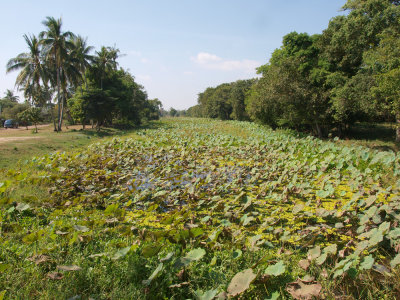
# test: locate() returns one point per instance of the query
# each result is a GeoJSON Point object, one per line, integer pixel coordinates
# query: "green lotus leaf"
{"type": "Point", "coordinates": [207, 295]}
{"type": "Point", "coordinates": [121, 253]}
{"type": "Point", "coordinates": [237, 253]}
{"type": "Point", "coordinates": [153, 275]}
{"type": "Point", "coordinates": [395, 261]}
{"type": "Point", "coordinates": [276, 269]}
{"type": "Point", "coordinates": [367, 263]}
{"type": "Point", "coordinates": [314, 253]}
{"type": "Point", "coordinates": [151, 250]}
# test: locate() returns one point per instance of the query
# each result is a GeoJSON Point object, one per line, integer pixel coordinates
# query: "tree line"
{"type": "Point", "coordinates": [60, 67]}
{"type": "Point", "coordinates": [322, 83]}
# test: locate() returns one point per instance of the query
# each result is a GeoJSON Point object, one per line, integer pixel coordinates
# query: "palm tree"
{"type": "Point", "coordinates": [57, 45]}
{"type": "Point", "coordinates": [105, 60]}
{"type": "Point", "coordinates": [10, 96]}
{"type": "Point", "coordinates": [32, 70]}
{"type": "Point", "coordinates": [82, 58]}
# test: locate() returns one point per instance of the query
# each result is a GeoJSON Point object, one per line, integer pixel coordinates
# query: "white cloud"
{"type": "Point", "coordinates": [188, 73]}
{"type": "Point", "coordinates": [204, 58]}
{"type": "Point", "coordinates": [213, 62]}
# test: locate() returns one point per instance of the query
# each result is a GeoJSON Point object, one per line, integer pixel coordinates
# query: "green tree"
{"type": "Point", "coordinates": [57, 45]}
{"type": "Point", "coordinates": [81, 56]}
{"type": "Point", "coordinates": [290, 92]}
{"type": "Point", "coordinates": [384, 61]}
{"type": "Point", "coordinates": [32, 73]}
{"type": "Point", "coordinates": [31, 115]}
{"type": "Point", "coordinates": [9, 95]}
{"type": "Point", "coordinates": [152, 110]}
{"type": "Point", "coordinates": [239, 93]}
{"type": "Point", "coordinates": [173, 112]}
{"type": "Point", "coordinates": [104, 61]}
{"type": "Point", "coordinates": [121, 101]}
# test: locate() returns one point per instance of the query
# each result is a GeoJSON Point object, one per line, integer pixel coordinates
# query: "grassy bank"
{"type": "Point", "coordinates": [21, 144]}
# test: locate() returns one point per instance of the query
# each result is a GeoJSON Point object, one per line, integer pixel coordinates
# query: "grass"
{"type": "Point", "coordinates": [17, 145]}
{"type": "Point", "coordinates": [377, 136]}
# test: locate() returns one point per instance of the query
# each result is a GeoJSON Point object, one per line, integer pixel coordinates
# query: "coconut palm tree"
{"type": "Point", "coordinates": [81, 55]}
{"type": "Point", "coordinates": [33, 72]}
{"type": "Point", "coordinates": [105, 59]}
{"type": "Point", "coordinates": [9, 95]}
{"type": "Point", "coordinates": [57, 45]}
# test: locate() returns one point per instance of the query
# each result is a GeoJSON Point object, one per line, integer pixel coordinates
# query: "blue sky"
{"type": "Point", "coordinates": [175, 49]}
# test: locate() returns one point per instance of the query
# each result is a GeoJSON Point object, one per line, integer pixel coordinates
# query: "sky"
{"type": "Point", "coordinates": [174, 48]}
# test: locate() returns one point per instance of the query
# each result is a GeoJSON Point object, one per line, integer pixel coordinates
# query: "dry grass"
{"type": "Point", "coordinates": [21, 144]}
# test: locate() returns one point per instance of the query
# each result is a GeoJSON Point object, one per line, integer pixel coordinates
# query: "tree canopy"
{"type": "Point", "coordinates": [322, 83]}
{"type": "Point", "coordinates": [60, 67]}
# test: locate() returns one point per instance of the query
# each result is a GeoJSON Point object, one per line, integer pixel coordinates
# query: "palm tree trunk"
{"type": "Point", "coordinates": [58, 99]}
{"type": "Point", "coordinates": [62, 112]}
{"type": "Point", "coordinates": [52, 116]}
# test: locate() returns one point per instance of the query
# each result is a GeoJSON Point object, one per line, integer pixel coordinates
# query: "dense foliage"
{"type": "Point", "coordinates": [326, 82]}
{"type": "Point", "coordinates": [225, 102]}
{"type": "Point", "coordinates": [86, 87]}
{"type": "Point", "coordinates": [199, 208]}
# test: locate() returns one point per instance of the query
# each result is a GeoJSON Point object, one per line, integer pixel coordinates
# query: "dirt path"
{"type": "Point", "coordinates": [17, 138]}
{"type": "Point", "coordinates": [20, 128]}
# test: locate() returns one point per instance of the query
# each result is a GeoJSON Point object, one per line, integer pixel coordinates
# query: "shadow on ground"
{"type": "Point", "coordinates": [118, 131]}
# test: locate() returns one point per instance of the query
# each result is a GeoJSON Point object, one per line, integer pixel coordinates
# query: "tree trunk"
{"type": "Point", "coordinates": [398, 129]}
{"type": "Point", "coordinates": [58, 99]}
{"type": "Point", "coordinates": [61, 114]}
{"type": "Point", "coordinates": [36, 128]}
{"type": "Point", "coordinates": [340, 131]}
{"type": "Point", "coordinates": [319, 131]}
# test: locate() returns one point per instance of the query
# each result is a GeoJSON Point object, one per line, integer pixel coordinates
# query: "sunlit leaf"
{"type": "Point", "coordinates": [154, 274]}
{"type": "Point", "coordinates": [81, 228]}
{"type": "Point", "coordinates": [121, 253]}
{"type": "Point", "coordinates": [207, 295]}
{"type": "Point", "coordinates": [69, 268]}
{"type": "Point", "coordinates": [237, 253]}
{"type": "Point", "coordinates": [241, 282]}
{"type": "Point", "coordinates": [193, 255]}
{"type": "Point", "coordinates": [276, 269]}
{"type": "Point", "coordinates": [367, 263]}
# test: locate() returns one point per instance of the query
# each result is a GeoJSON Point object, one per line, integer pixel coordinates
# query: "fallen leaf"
{"type": "Point", "coordinates": [69, 268]}
{"type": "Point", "coordinates": [181, 274]}
{"type": "Point", "coordinates": [179, 285]}
{"type": "Point", "coordinates": [241, 282]}
{"type": "Point", "coordinates": [55, 276]}
{"type": "Point", "coordinates": [222, 296]}
{"type": "Point", "coordinates": [61, 232]}
{"type": "Point", "coordinates": [314, 253]}
{"type": "Point", "coordinates": [304, 264]}
{"type": "Point", "coordinates": [303, 290]}
{"type": "Point", "coordinates": [39, 259]}
{"type": "Point", "coordinates": [324, 273]}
